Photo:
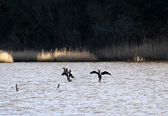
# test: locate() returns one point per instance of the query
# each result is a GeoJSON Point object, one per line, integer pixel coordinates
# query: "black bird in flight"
{"type": "Point", "coordinates": [68, 74]}
{"type": "Point", "coordinates": [100, 74]}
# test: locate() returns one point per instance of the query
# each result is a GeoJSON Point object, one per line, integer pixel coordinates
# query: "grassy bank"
{"type": "Point", "coordinates": [152, 51]}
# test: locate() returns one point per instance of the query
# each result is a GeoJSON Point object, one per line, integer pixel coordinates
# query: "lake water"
{"type": "Point", "coordinates": [134, 89]}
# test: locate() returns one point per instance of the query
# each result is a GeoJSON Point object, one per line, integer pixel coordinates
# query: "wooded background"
{"type": "Point", "coordinates": [49, 24]}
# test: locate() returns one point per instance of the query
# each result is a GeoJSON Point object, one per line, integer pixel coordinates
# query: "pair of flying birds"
{"type": "Point", "coordinates": [69, 75]}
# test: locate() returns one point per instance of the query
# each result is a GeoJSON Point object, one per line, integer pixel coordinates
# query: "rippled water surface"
{"type": "Point", "coordinates": [139, 89]}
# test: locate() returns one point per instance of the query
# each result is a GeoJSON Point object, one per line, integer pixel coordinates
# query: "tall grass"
{"type": "Point", "coordinates": [64, 55]}
{"type": "Point", "coordinates": [45, 56]}
{"type": "Point", "coordinates": [74, 55]}
{"type": "Point", "coordinates": [5, 57]}
{"type": "Point", "coordinates": [24, 56]}
{"type": "Point", "coordinates": [144, 52]}
{"type": "Point", "coordinates": [148, 51]}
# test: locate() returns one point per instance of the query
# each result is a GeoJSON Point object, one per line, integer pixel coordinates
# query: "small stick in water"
{"type": "Point", "coordinates": [58, 85]}
{"type": "Point", "coordinates": [17, 89]}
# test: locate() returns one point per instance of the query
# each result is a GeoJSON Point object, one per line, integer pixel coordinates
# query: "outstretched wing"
{"type": "Point", "coordinates": [70, 75]}
{"type": "Point", "coordinates": [64, 72]}
{"type": "Point", "coordinates": [93, 72]}
{"type": "Point", "coordinates": [105, 72]}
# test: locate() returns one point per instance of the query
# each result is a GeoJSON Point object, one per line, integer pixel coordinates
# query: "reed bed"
{"type": "Point", "coordinates": [149, 51]}
{"type": "Point", "coordinates": [74, 55]}
{"type": "Point", "coordinates": [64, 55]}
{"type": "Point", "coordinates": [5, 57]}
{"type": "Point", "coordinates": [25, 56]}
{"type": "Point", "coordinates": [152, 51]}
{"type": "Point", "coordinates": [45, 56]}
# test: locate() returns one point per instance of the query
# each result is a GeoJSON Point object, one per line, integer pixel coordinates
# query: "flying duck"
{"type": "Point", "coordinates": [68, 74]}
{"type": "Point", "coordinates": [100, 74]}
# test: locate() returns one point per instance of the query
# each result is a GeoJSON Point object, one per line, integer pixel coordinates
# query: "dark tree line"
{"type": "Point", "coordinates": [49, 24]}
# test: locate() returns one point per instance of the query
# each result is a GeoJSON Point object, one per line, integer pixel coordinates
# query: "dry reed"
{"type": "Point", "coordinates": [45, 56]}
{"type": "Point", "coordinates": [74, 55]}
{"type": "Point", "coordinates": [148, 51]}
{"type": "Point", "coordinates": [144, 52]}
{"type": "Point", "coordinates": [5, 57]}
{"type": "Point", "coordinates": [64, 55]}
{"type": "Point", "coordinates": [24, 56]}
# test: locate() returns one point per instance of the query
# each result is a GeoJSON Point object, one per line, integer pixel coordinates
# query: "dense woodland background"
{"type": "Point", "coordinates": [49, 24]}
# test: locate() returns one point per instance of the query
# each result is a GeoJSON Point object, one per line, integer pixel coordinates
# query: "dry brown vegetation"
{"type": "Point", "coordinates": [144, 52]}
{"type": "Point", "coordinates": [152, 51]}
{"type": "Point", "coordinates": [64, 55]}
{"type": "Point", "coordinates": [5, 57]}
{"type": "Point", "coordinates": [24, 56]}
